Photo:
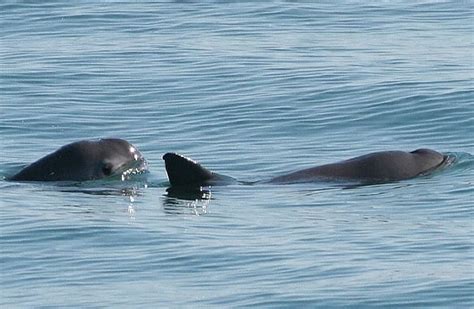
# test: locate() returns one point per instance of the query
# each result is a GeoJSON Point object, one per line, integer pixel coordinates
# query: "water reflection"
{"type": "Point", "coordinates": [191, 201]}
{"type": "Point", "coordinates": [130, 192]}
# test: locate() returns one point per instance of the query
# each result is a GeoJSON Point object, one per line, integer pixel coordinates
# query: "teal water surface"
{"type": "Point", "coordinates": [251, 90]}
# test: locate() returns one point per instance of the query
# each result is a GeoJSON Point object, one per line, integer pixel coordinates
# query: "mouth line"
{"type": "Point", "coordinates": [129, 169]}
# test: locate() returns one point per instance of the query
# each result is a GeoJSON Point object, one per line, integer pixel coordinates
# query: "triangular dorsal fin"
{"type": "Point", "coordinates": [183, 171]}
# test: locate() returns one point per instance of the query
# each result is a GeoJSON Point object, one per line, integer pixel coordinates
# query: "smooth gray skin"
{"type": "Point", "coordinates": [374, 167]}
{"type": "Point", "coordinates": [85, 160]}
{"type": "Point", "coordinates": [184, 172]}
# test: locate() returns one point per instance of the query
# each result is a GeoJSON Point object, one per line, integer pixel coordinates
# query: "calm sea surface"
{"type": "Point", "coordinates": [252, 90]}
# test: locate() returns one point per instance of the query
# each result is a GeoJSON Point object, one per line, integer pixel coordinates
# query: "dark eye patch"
{"type": "Point", "coordinates": [107, 169]}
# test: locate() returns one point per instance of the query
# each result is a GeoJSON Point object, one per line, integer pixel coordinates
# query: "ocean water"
{"type": "Point", "coordinates": [251, 90]}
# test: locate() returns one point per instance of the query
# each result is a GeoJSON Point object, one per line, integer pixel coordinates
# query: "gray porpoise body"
{"type": "Point", "coordinates": [85, 160]}
{"type": "Point", "coordinates": [374, 167]}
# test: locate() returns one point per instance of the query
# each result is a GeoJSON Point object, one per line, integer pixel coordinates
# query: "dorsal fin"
{"type": "Point", "coordinates": [185, 172]}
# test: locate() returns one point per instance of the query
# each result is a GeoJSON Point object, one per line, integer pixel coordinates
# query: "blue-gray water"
{"type": "Point", "coordinates": [252, 90]}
